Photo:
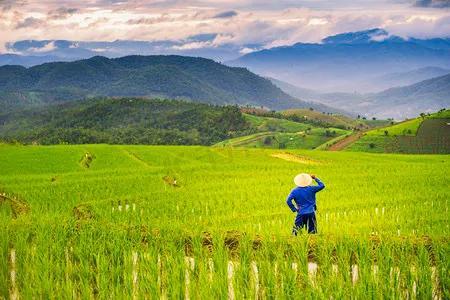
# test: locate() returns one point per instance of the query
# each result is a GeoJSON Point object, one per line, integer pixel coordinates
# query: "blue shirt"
{"type": "Point", "coordinates": [305, 198]}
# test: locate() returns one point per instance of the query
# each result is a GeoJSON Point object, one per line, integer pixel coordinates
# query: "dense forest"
{"type": "Point", "coordinates": [174, 77]}
{"type": "Point", "coordinates": [124, 121]}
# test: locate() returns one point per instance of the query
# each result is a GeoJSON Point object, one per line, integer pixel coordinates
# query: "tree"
{"type": "Point", "coordinates": [268, 140]}
{"type": "Point", "coordinates": [374, 119]}
{"type": "Point", "coordinates": [423, 115]}
{"type": "Point", "coordinates": [386, 132]}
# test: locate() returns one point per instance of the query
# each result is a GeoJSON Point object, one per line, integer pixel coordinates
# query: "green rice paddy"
{"type": "Point", "coordinates": [162, 222]}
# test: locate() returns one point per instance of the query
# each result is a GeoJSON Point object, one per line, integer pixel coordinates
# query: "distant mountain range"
{"type": "Point", "coordinates": [410, 77]}
{"type": "Point", "coordinates": [369, 72]}
{"type": "Point", "coordinates": [401, 102]}
{"type": "Point", "coordinates": [351, 62]}
{"type": "Point", "coordinates": [34, 52]}
{"type": "Point", "coordinates": [426, 96]}
{"type": "Point", "coordinates": [175, 77]}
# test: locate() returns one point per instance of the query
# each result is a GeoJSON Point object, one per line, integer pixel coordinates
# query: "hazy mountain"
{"type": "Point", "coordinates": [399, 103]}
{"type": "Point", "coordinates": [347, 62]}
{"type": "Point", "coordinates": [177, 77]}
{"type": "Point", "coordinates": [34, 52]}
{"type": "Point", "coordinates": [27, 61]}
{"type": "Point", "coordinates": [407, 78]}
{"type": "Point", "coordinates": [405, 102]}
{"type": "Point", "coordinates": [338, 99]}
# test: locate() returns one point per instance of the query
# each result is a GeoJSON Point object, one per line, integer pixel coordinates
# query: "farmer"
{"type": "Point", "coordinates": [304, 196]}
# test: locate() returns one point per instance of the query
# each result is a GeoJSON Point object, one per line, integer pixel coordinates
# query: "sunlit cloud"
{"type": "Point", "coordinates": [241, 23]}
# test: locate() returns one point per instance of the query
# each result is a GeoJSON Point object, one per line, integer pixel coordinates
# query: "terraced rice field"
{"type": "Point", "coordinates": [159, 222]}
{"type": "Point", "coordinates": [430, 135]}
{"type": "Point", "coordinates": [433, 136]}
{"type": "Point", "coordinates": [308, 139]}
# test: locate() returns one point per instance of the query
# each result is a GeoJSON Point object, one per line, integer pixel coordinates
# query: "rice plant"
{"type": "Point", "coordinates": [199, 223]}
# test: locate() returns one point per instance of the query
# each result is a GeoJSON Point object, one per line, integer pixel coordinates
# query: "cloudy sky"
{"type": "Point", "coordinates": [238, 22]}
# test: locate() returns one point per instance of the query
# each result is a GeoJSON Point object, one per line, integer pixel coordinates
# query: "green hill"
{"type": "Point", "coordinates": [174, 77]}
{"type": "Point", "coordinates": [275, 124]}
{"type": "Point", "coordinates": [318, 118]}
{"type": "Point", "coordinates": [426, 134]}
{"type": "Point", "coordinates": [124, 121]}
{"type": "Point", "coordinates": [156, 122]}
{"type": "Point", "coordinates": [283, 134]}
{"type": "Point", "coordinates": [330, 119]}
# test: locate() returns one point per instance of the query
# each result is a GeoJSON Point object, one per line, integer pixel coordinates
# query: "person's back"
{"type": "Point", "coordinates": [304, 197]}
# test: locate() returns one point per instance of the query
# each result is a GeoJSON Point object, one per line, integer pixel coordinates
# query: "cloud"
{"type": "Point", "coordinates": [247, 50]}
{"type": "Point", "coordinates": [226, 14]}
{"type": "Point", "coordinates": [239, 24]}
{"type": "Point", "coordinates": [166, 18]}
{"type": "Point", "coordinates": [193, 45]}
{"type": "Point", "coordinates": [47, 48]}
{"type": "Point", "coordinates": [30, 22]}
{"type": "Point", "coordinates": [61, 13]}
{"type": "Point", "coordinates": [203, 37]}
{"type": "Point", "coordinates": [421, 27]}
{"type": "Point", "coordinates": [6, 5]}
{"type": "Point", "coordinates": [432, 3]}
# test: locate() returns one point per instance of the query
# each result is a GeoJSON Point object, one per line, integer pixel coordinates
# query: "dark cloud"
{"type": "Point", "coordinates": [61, 13]}
{"type": "Point", "coordinates": [202, 37]}
{"type": "Point", "coordinates": [29, 22]}
{"type": "Point", "coordinates": [226, 14]}
{"type": "Point", "coordinates": [150, 21]}
{"type": "Point", "coordinates": [6, 5]}
{"type": "Point", "coordinates": [166, 18]}
{"type": "Point", "coordinates": [433, 3]}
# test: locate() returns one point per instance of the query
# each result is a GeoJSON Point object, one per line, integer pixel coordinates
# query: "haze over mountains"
{"type": "Point", "coordinates": [34, 52]}
{"type": "Point", "coordinates": [369, 72]}
{"type": "Point", "coordinates": [350, 62]}
{"type": "Point", "coordinates": [399, 103]}
{"type": "Point", "coordinates": [175, 77]}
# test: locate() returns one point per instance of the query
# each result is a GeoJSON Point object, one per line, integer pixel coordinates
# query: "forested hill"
{"type": "Point", "coordinates": [175, 77]}
{"type": "Point", "coordinates": [124, 121]}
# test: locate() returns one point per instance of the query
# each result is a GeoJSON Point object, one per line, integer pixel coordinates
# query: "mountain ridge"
{"type": "Point", "coordinates": [177, 77]}
{"type": "Point", "coordinates": [347, 62]}
{"type": "Point", "coordinates": [399, 102]}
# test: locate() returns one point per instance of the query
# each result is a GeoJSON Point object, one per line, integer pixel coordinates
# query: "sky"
{"type": "Point", "coordinates": [248, 24]}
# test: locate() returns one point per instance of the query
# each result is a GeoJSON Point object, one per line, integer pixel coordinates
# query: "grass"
{"type": "Point", "coordinates": [274, 124]}
{"type": "Point", "coordinates": [409, 127]}
{"type": "Point", "coordinates": [374, 144]}
{"type": "Point", "coordinates": [277, 140]}
{"type": "Point", "coordinates": [283, 134]}
{"type": "Point", "coordinates": [331, 119]}
{"type": "Point", "coordinates": [331, 142]}
{"type": "Point", "coordinates": [90, 232]}
{"type": "Point", "coordinates": [404, 128]}
{"type": "Point", "coordinates": [430, 134]}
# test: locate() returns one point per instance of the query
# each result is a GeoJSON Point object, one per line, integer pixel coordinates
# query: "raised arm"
{"type": "Point", "coordinates": [289, 202]}
{"type": "Point", "coordinates": [320, 186]}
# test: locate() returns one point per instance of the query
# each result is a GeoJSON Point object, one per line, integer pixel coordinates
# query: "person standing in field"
{"type": "Point", "coordinates": [304, 196]}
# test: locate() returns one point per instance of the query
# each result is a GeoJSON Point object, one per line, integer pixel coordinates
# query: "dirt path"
{"type": "Point", "coordinates": [344, 143]}
{"type": "Point", "coordinates": [295, 158]}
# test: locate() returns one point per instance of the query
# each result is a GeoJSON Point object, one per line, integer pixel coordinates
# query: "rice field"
{"type": "Point", "coordinates": [430, 135]}
{"type": "Point", "coordinates": [172, 222]}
